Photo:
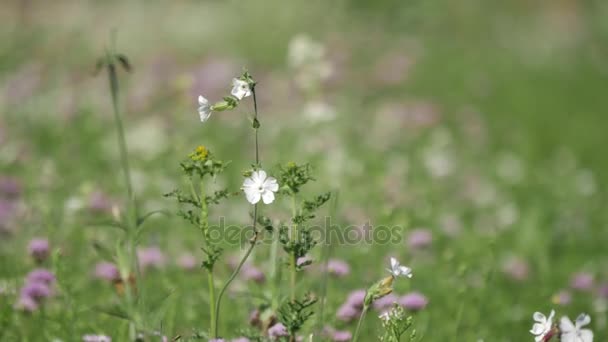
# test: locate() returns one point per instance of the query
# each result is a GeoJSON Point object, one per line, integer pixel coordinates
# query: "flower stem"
{"type": "Point", "coordinates": [252, 244]}
{"type": "Point", "coordinates": [253, 241]}
{"type": "Point", "coordinates": [131, 200]}
{"type": "Point", "coordinates": [212, 302]}
{"type": "Point", "coordinates": [294, 260]}
{"type": "Point", "coordinates": [356, 336]}
{"type": "Point", "coordinates": [204, 226]}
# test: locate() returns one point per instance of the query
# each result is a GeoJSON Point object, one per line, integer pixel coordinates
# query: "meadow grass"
{"type": "Point", "coordinates": [480, 123]}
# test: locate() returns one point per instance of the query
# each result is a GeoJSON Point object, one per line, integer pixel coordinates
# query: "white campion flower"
{"type": "Point", "coordinates": [572, 332]}
{"type": "Point", "coordinates": [542, 326]}
{"type": "Point", "coordinates": [259, 185]}
{"type": "Point", "coordinates": [398, 270]}
{"type": "Point", "coordinates": [204, 108]}
{"type": "Point", "coordinates": [240, 89]}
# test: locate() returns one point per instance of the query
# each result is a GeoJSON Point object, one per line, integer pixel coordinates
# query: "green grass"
{"type": "Point", "coordinates": [508, 80]}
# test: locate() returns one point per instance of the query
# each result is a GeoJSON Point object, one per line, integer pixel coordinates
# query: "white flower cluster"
{"type": "Point", "coordinates": [543, 329]}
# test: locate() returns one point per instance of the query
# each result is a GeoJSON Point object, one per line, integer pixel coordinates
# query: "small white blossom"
{"type": "Point", "coordinates": [259, 185]}
{"type": "Point", "coordinates": [385, 316]}
{"type": "Point", "coordinates": [573, 332]}
{"type": "Point", "coordinates": [542, 326]}
{"type": "Point", "coordinates": [240, 89]}
{"type": "Point", "coordinates": [398, 270]}
{"type": "Point", "coordinates": [204, 108]}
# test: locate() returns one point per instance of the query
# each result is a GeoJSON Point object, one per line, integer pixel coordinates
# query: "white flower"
{"type": "Point", "coordinates": [385, 316]}
{"type": "Point", "coordinates": [542, 326]}
{"type": "Point", "coordinates": [573, 332]}
{"type": "Point", "coordinates": [204, 108]}
{"type": "Point", "coordinates": [398, 270]}
{"type": "Point", "coordinates": [260, 186]}
{"type": "Point", "coordinates": [240, 89]}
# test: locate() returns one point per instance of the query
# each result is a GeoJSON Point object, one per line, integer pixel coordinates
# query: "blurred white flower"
{"type": "Point", "coordinates": [385, 316]}
{"type": "Point", "coordinates": [398, 270]}
{"type": "Point", "coordinates": [240, 89]}
{"type": "Point", "coordinates": [542, 326]}
{"type": "Point", "coordinates": [259, 185]}
{"type": "Point", "coordinates": [204, 108]}
{"type": "Point", "coordinates": [307, 58]}
{"type": "Point", "coordinates": [573, 332]}
{"type": "Point", "coordinates": [318, 111]}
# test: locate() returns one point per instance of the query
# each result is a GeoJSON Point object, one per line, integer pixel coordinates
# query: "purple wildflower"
{"type": "Point", "coordinates": [563, 297]}
{"type": "Point", "coordinates": [304, 261]}
{"type": "Point", "coordinates": [217, 340]}
{"type": "Point", "coordinates": [516, 268]}
{"type": "Point", "coordinates": [420, 238]}
{"type": "Point", "coordinates": [187, 262]}
{"type": "Point", "coordinates": [27, 304]}
{"type": "Point", "coordinates": [385, 302]}
{"type": "Point", "coordinates": [253, 273]}
{"type": "Point", "coordinates": [10, 187]}
{"type": "Point", "coordinates": [107, 271]}
{"type": "Point", "coordinates": [276, 331]}
{"type": "Point", "coordinates": [36, 291]}
{"type": "Point", "coordinates": [240, 339]}
{"type": "Point", "coordinates": [413, 301]}
{"type": "Point", "coordinates": [602, 290]}
{"type": "Point", "coordinates": [150, 257]}
{"type": "Point", "coordinates": [348, 313]}
{"type": "Point", "coordinates": [582, 281]}
{"type": "Point", "coordinates": [341, 336]}
{"type": "Point", "coordinates": [39, 249]}
{"type": "Point", "coordinates": [356, 298]}
{"type": "Point", "coordinates": [41, 275]}
{"type": "Point", "coordinates": [338, 268]}
{"type": "Point", "coordinates": [99, 202]}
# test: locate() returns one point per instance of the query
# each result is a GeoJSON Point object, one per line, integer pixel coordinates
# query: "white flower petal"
{"type": "Point", "coordinates": [537, 329]}
{"type": "Point", "coordinates": [253, 196]}
{"type": "Point", "coordinates": [259, 177]}
{"type": "Point", "coordinates": [565, 325]}
{"type": "Point", "coordinates": [405, 271]}
{"type": "Point", "coordinates": [204, 113]}
{"type": "Point", "coordinates": [202, 101]}
{"type": "Point", "coordinates": [271, 184]}
{"type": "Point", "coordinates": [539, 317]}
{"type": "Point", "coordinates": [268, 197]}
{"type": "Point", "coordinates": [394, 263]}
{"type": "Point", "coordinates": [582, 320]}
{"type": "Point", "coordinates": [240, 89]}
{"type": "Point", "coordinates": [248, 183]}
{"type": "Point", "coordinates": [586, 335]}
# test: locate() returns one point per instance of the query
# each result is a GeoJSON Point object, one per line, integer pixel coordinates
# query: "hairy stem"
{"type": "Point", "coordinates": [204, 226]}
{"type": "Point", "coordinates": [361, 317]}
{"type": "Point", "coordinates": [252, 244]}
{"type": "Point", "coordinates": [294, 260]}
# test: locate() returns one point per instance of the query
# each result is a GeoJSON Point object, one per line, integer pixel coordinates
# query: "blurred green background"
{"type": "Point", "coordinates": [481, 121]}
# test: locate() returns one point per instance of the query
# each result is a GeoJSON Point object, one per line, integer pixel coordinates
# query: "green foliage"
{"type": "Point", "coordinates": [293, 176]}
{"type": "Point", "coordinates": [395, 324]}
{"type": "Point", "coordinates": [293, 314]}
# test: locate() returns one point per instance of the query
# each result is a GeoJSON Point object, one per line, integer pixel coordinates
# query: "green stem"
{"type": "Point", "coordinates": [294, 260]}
{"type": "Point", "coordinates": [204, 227]}
{"type": "Point", "coordinates": [212, 303]}
{"type": "Point", "coordinates": [326, 254]}
{"type": "Point", "coordinates": [131, 200]}
{"type": "Point", "coordinates": [365, 309]}
{"type": "Point", "coordinates": [253, 240]}
{"type": "Point", "coordinates": [252, 244]}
